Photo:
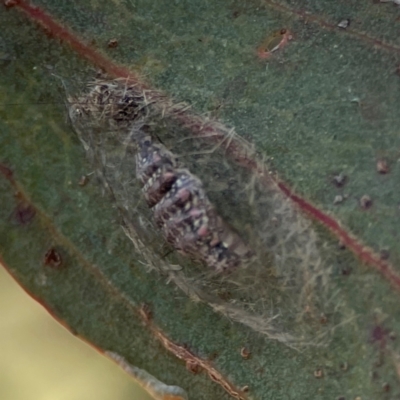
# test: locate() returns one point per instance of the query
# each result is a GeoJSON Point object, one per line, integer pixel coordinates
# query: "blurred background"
{"type": "Point", "coordinates": [41, 360]}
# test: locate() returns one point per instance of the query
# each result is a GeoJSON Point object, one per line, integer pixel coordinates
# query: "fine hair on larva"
{"type": "Point", "coordinates": [217, 230]}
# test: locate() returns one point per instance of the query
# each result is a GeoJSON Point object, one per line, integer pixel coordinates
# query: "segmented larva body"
{"type": "Point", "coordinates": [182, 210]}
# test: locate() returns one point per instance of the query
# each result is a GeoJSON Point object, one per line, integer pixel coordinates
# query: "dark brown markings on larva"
{"type": "Point", "coordinates": [182, 209]}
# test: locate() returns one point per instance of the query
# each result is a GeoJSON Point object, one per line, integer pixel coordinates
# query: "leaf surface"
{"type": "Point", "coordinates": [323, 105]}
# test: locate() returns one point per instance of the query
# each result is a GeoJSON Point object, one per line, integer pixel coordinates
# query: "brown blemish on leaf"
{"type": "Point", "coordinates": [52, 258]}
{"type": "Point", "coordinates": [24, 213]}
{"type": "Point", "coordinates": [83, 180]}
{"type": "Point", "coordinates": [274, 42]}
{"type": "Point", "coordinates": [382, 166]}
{"type": "Point", "coordinates": [344, 366]}
{"type": "Point", "coordinates": [379, 335]}
{"type": "Point", "coordinates": [385, 254]}
{"type": "Point", "coordinates": [11, 3]}
{"type": "Point", "coordinates": [5, 171]}
{"type": "Point", "coordinates": [386, 387]}
{"type": "Point", "coordinates": [346, 271]}
{"type": "Point", "coordinates": [318, 373]}
{"type": "Point", "coordinates": [339, 180]}
{"type": "Point", "coordinates": [323, 319]}
{"type": "Point", "coordinates": [146, 313]}
{"type": "Point", "coordinates": [112, 43]}
{"type": "Point", "coordinates": [235, 14]}
{"type": "Point", "coordinates": [193, 366]}
{"type": "Point", "coordinates": [365, 202]}
{"type": "Point", "coordinates": [245, 353]}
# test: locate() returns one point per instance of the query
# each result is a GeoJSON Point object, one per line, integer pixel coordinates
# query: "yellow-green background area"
{"type": "Point", "coordinates": [41, 360]}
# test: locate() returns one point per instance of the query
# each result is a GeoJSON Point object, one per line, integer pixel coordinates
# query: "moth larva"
{"type": "Point", "coordinates": [192, 202]}
{"type": "Point", "coordinates": [182, 210]}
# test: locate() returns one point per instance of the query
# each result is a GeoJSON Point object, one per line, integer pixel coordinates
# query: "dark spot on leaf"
{"type": "Point", "coordinates": [319, 373]}
{"type": "Point", "coordinates": [11, 3]}
{"type": "Point", "coordinates": [235, 14]}
{"type": "Point", "coordinates": [365, 202]}
{"type": "Point", "coordinates": [73, 331]}
{"type": "Point", "coordinates": [245, 353]}
{"type": "Point", "coordinates": [112, 44]}
{"type": "Point", "coordinates": [344, 366]}
{"type": "Point", "coordinates": [193, 366]}
{"type": "Point", "coordinates": [6, 171]}
{"type": "Point", "coordinates": [386, 387]}
{"type": "Point", "coordinates": [323, 319]}
{"type": "Point", "coordinates": [382, 166]}
{"type": "Point", "coordinates": [379, 334]}
{"type": "Point", "coordinates": [384, 254]}
{"type": "Point", "coordinates": [346, 271]}
{"type": "Point", "coordinates": [52, 258]}
{"type": "Point", "coordinates": [83, 181]}
{"type": "Point", "coordinates": [374, 376]}
{"type": "Point", "coordinates": [339, 180]}
{"type": "Point", "coordinates": [145, 312]}
{"type": "Point", "coordinates": [48, 32]}
{"type": "Point", "coordinates": [245, 389]}
{"type": "Point", "coordinates": [24, 213]}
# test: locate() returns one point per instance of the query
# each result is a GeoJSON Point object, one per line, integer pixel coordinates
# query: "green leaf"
{"type": "Point", "coordinates": [321, 106]}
